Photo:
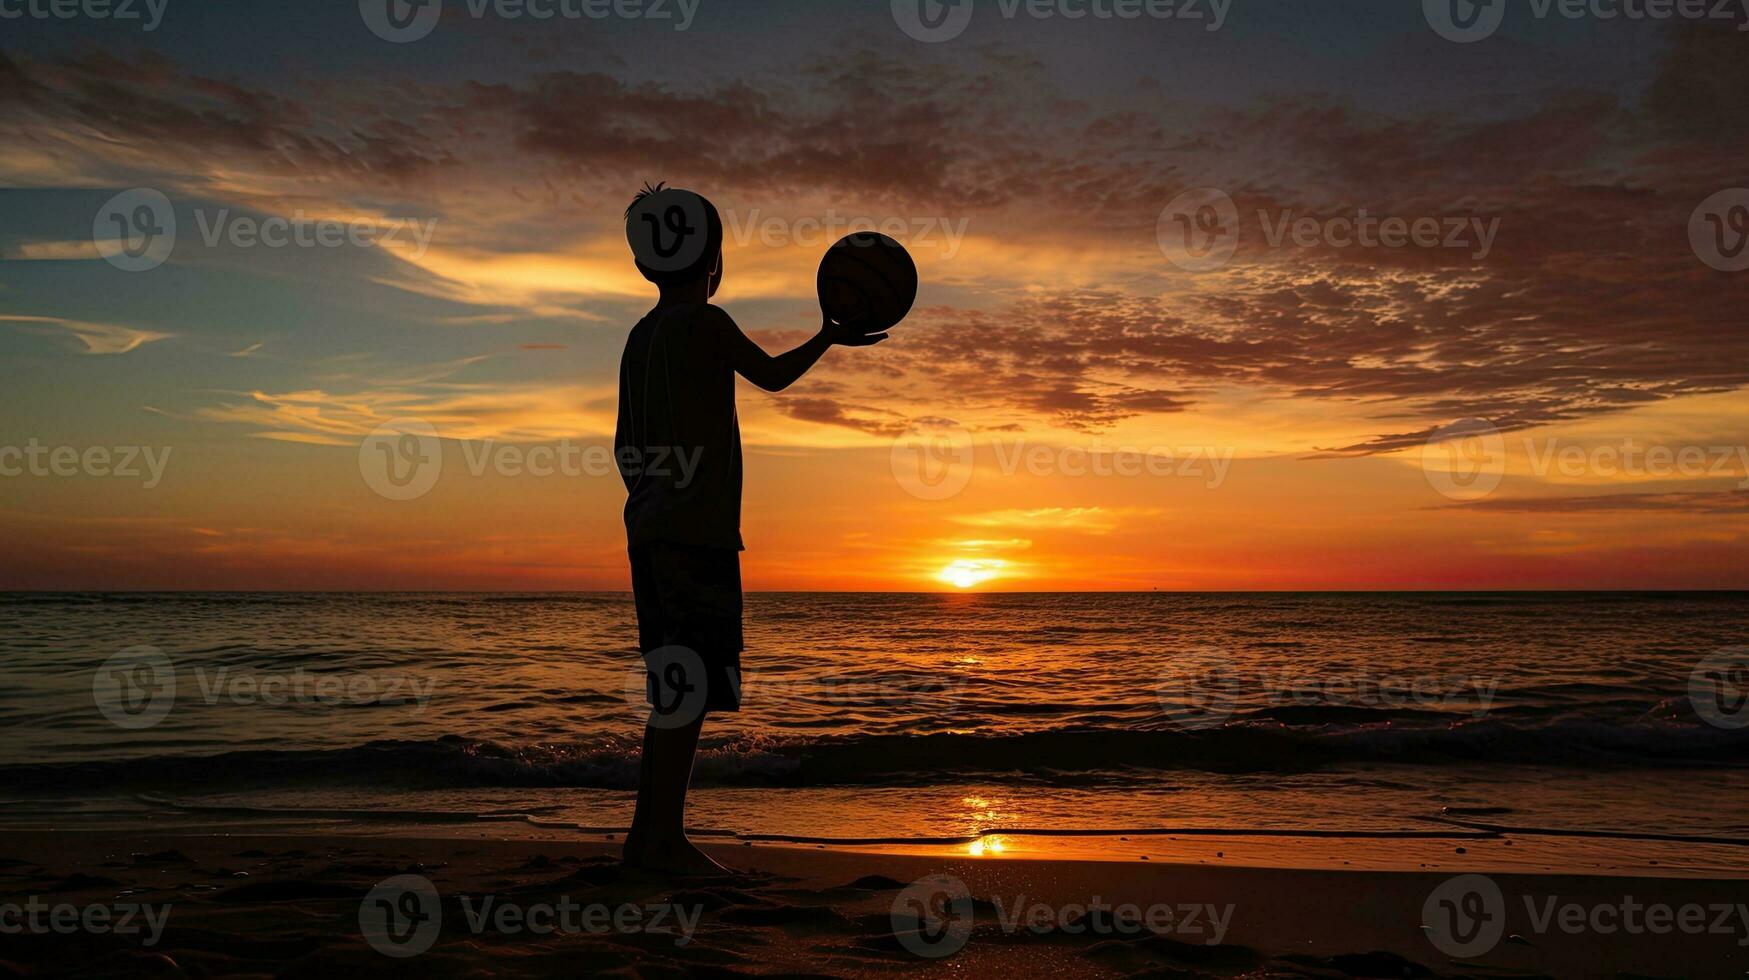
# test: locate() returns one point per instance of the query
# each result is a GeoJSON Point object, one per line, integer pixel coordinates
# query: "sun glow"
{"type": "Point", "coordinates": [986, 845]}
{"type": "Point", "coordinates": [967, 572]}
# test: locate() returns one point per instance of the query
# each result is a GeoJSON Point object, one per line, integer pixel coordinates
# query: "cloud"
{"type": "Point", "coordinates": [98, 338]}
{"type": "Point", "coordinates": [1719, 502]}
{"type": "Point", "coordinates": [1059, 311]}
{"type": "Point", "coordinates": [147, 108]}
{"type": "Point", "coordinates": [53, 251]}
{"type": "Point", "coordinates": [828, 411]}
{"type": "Point", "coordinates": [528, 412]}
{"type": "Point", "coordinates": [986, 544]}
{"type": "Point", "coordinates": [1087, 520]}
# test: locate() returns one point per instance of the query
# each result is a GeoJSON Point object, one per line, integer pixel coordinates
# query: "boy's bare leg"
{"type": "Point", "coordinates": [657, 839]}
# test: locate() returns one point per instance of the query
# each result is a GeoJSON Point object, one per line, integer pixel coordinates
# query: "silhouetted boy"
{"type": "Point", "coordinates": [683, 522]}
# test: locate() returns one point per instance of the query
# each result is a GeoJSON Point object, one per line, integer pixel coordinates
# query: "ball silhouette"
{"type": "Point", "coordinates": [867, 279]}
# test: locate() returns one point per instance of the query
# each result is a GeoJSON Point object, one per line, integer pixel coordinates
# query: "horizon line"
{"type": "Point", "coordinates": [964, 592]}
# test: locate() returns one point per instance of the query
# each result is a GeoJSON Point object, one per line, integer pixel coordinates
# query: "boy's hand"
{"type": "Point", "coordinates": [848, 333]}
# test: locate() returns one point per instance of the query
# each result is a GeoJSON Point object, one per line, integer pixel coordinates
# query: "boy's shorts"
{"type": "Point", "coordinates": [689, 613]}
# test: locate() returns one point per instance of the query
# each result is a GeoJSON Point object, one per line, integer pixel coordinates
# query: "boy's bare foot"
{"type": "Point", "coordinates": [680, 857]}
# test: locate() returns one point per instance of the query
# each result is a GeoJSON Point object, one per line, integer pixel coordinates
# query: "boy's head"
{"type": "Point", "coordinates": [676, 237]}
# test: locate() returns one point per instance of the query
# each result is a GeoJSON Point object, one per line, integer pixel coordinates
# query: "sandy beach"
{"type": "Point", "coordinates": [218, 903]}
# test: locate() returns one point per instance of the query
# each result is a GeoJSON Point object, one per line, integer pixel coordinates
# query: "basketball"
{"type": "Point", "coordinates": [869, 279]}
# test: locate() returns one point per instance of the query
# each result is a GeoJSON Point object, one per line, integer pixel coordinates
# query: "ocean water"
{"type": "Point", "coordinates": [894, 716]}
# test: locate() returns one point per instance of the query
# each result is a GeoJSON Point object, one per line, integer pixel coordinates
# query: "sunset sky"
{"type": "Point", "coordinates": [1025, 163]}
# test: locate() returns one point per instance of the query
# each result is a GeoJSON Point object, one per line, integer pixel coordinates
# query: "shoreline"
{"type": "Point", "coordinates": [255, 900]}
{"type": "Point", "coordinates": [1450, 844]}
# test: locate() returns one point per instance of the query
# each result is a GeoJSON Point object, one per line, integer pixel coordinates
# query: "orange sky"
{"type": "Point", "coordinates": [1295, 398]}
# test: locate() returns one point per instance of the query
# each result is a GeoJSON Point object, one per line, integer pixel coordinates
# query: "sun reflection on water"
{"type": "Point", "coordinates": [982, 812]}
{"type": "Point", "coordinates": [987, 846]}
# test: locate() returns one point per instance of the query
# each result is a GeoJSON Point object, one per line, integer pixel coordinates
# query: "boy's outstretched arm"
{"type": "Point", "coordinates": [777, 373]}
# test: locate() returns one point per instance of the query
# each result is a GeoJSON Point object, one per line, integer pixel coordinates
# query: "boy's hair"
{"type": "Point", "coordinates": [658, 216]}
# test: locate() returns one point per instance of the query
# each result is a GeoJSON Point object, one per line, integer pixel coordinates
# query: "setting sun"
{"type": "Point", "coordinates": [967, 572]}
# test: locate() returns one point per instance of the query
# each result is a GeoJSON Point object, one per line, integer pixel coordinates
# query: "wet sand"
{"type": "Point", "coordinates": [290, 904]}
